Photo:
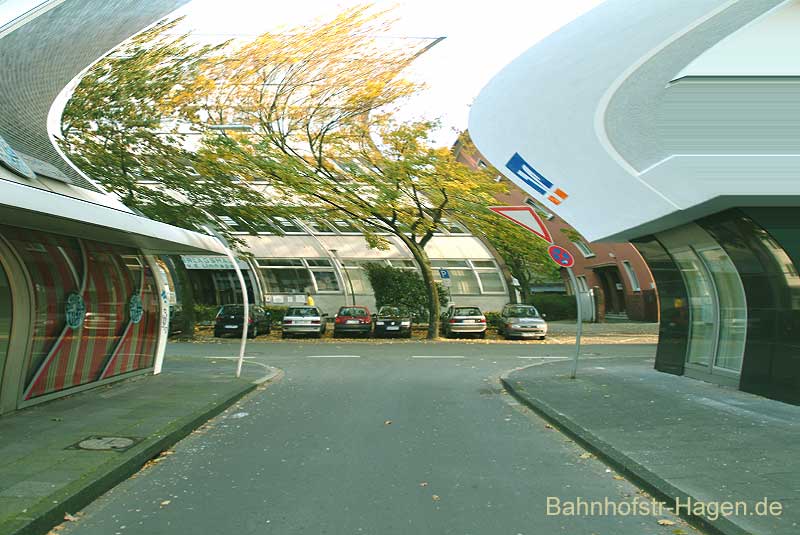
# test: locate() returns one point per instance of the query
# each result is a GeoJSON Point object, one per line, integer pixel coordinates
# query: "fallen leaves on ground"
{"type": "Point", "coordinates": [387, 422]}
{"type": "Point", "coordinates": [423, 484]}
{"type": "Point", "coordinates": [618, 477]}
{"type": "Point", "coordinates": [165, 503]}
{"type": "Point", "coordinates": [548, 426]}
{"type": "Point", "coordinates": [70, 518]}
{"type": "Point", "coordinates": [435, 497]}
{"type": "Point", "coordinates": [586, 456]}
{"type": "Point", "coordinates": [665, 522]}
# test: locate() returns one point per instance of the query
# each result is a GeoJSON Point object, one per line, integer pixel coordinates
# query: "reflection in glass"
{"type": "Point", "coordinates": [5, 317]}
{"type": "Point", "coordinates": [702, 308]}
{"type": "Point", "coordinates": [732, 309]}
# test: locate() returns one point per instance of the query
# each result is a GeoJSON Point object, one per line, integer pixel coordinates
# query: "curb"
{"type": "Point", "coordinates": [632, 470]}
{"type": "Point", "coordinates": [79, 494]}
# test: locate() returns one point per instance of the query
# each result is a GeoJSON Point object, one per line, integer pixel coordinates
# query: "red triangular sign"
{"type": "Point", "coordinates": [525, 217]}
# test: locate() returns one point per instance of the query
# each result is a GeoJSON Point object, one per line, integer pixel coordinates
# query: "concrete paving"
{"type": "Point", "coordinates": [383, 439]}
{"type": "Point", "coordinates": [679, 437]}
{"type": "Point", "coordinates": [43, 475]}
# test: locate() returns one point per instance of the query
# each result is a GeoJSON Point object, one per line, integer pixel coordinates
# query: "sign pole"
{"type": "Point", "coordinates": [574, 282]}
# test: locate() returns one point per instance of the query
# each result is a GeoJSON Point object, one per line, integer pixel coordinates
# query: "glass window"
{"type": "Point", "coordinates": [288, 280]}
{"type": "Point", "coordinates": [583, 248]}
{"type": "Point", "coordinates": [462, 281]}
{"type": "Point", "coordinates": [318, 262]}
{"type": "Point", "coordinates": [448, 263]}
{"type": "Point", "coordinates": [702, 309]}
{"type": "Point", "coordinates": [287, 225]}
{"type": "Point", "coordinates": [326, 280]}
{"type": "Point", "coordinates": [345, 226]}
{"type": "Point", "coordinates": [302, 312]}
{"type": "Point", "coordinates": [232, 223]}
{"type": "Point", "coordinates": [285, 262]}
{"type": "Point", "coordinates": [454, 227]}
{"type": "Point", "coordinates": [732, 309]}
{"type": "Point", "coordinates": [491, 281]}
{"type": "Point", "coordinates": [264, 226]}
{"type": "Point", "coordinates": [484, 264]}
{"type": "Point", "coordinates": [631, 276]}
{"type": "Point", "coordinates": [319, 226]}
{"type": "Point", "coordinates": [359, 279]}
{"type": "Point", "coordinates": [403, 264]}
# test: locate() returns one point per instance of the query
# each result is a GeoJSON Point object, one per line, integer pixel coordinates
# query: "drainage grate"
{"type": "Point", "coordinates": [102, 443]}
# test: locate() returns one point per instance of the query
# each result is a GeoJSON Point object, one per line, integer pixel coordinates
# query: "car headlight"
{"type": "Point", "coordinates": [378, 323]}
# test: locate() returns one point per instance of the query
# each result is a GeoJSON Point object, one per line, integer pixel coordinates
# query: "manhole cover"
{"type": "Point", "coordinates": [101, 443]}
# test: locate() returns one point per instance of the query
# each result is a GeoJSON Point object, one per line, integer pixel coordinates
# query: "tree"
{"type": "Point", "coordinates": [120, 127]}
{"type": "Point", "coordinates": [319, 101]}
{"type": "Point", "coordinates": [525, 256]}
{"type": "Point", "coordinates": [401, 287]}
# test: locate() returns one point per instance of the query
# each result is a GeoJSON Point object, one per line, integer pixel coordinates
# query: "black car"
{"type": "Point", "coordinates": [230, 320]}
{"type": "Point", "coordinates": [392, 321]}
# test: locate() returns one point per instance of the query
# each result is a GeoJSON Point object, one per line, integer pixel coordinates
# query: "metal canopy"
{"type": "Point", "coordinates": [33, 208]}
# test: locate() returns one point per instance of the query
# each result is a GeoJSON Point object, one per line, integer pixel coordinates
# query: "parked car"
{"type": "Point", "coordinates": [304, 320]}
{"type": "Point", "coordinates": [353, 320]}
{"type": "Point", "coordinates": [393, 321]}
{"type": "Point", "coordinates": [230, 320]}
{"type": "Point", "coordinates": [522, 321]}
{"type": "Point", "coordinates": [463, 320]}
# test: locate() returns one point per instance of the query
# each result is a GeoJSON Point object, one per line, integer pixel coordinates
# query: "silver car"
{"type": "Point", "coordinates": [463, 320]}
{"type": "Point", "coordinates": [304, 320]}
{"type": "Point", "coordinates": [522, 321]}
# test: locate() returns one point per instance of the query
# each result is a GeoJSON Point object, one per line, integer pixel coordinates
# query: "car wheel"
{"type": "Point", "coordinates": [284, 335]}
{"type": "Point", "coordinates": [252, 333]}
{"type": "Point", "coordinates": [217, 334]}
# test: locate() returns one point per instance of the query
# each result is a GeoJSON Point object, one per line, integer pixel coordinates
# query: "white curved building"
{"type": "Point", "coordinates": [674, 124]}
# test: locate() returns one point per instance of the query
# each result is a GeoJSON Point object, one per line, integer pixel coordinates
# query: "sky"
{"type": "Point", "coordinates": [481, 38]}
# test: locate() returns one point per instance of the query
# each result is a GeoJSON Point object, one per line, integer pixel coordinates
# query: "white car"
{"type": "Point", "coordinates": [303, 320]}
{"type": "Point", "coordinates": [522, 321]}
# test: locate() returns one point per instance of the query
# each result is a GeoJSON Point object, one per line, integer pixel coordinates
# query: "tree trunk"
{"type": "Point", "coordinates": [424, 264]}
{"type": "Point", "coordinates": [186, 293]}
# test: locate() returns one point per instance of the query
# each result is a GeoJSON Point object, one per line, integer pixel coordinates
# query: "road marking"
{"type": "Point", "coordinates": [558, 358]}
{"type": "Point", "coordinates": [230, 358]}
{"type": "Point", "coordinates": [437, 357]}
{"type": "Point", "coordinates": [333, 357]}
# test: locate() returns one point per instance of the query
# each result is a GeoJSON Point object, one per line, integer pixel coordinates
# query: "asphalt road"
{"type": "Point", "coordinates": [401, 438]}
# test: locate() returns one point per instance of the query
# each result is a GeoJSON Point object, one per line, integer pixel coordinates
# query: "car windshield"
{"type": "Point", "coordinates": [353, 311]}
{"type": "Point", "coordinates": [467, 311]}
{"type": "Point", "coordinates": [391, 311]}
{"type": "Point", "coordinates": [303, 312]}
{"type": "Point", "coordinates": [522, 312]}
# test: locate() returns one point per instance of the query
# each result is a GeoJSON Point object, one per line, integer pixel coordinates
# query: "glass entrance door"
{"type": "Point", "coordinates": [717, 310]}
{"type": "Point", "coordinates": [702, 308]}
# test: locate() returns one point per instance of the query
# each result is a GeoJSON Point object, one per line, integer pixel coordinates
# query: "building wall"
{"type": "Point", "coordinates": [604, 261]}
{"type": "Point", "coordinates": [92, 314]}
{"type": "Point", "coordinates": [285, 267]}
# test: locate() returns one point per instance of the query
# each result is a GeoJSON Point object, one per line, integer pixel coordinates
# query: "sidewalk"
{"type": "Point", "coordinates": [42, 474]}
{"type": "Point", "coordinates": [677, 437]}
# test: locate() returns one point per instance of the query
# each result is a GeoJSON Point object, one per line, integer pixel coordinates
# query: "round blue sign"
{"type": "Point", "coordinates": [135, 308]}
{"type": "Point", "coordinates": [561, 256]}
{"type": "Point", "coordinates": [75, 310]}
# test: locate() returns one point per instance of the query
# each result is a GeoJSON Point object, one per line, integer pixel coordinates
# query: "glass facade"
{"type": "Point", "coordinates": [5, 318]}
{"type": "Point", "coordinates": [729, 291]}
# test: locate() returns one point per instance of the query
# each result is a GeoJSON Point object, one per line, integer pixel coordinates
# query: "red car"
{"type": "Point", "coordinates": [352, 320]}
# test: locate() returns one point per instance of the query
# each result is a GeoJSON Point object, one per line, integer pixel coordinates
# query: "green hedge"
{"type": "Point", "coordinates": [205, 314]}
{"type": "Point", "coordinates": [556, 306]}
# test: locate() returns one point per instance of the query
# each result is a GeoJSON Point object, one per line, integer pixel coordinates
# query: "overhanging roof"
{"type": "Point", "coordinates": [28, 207]}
